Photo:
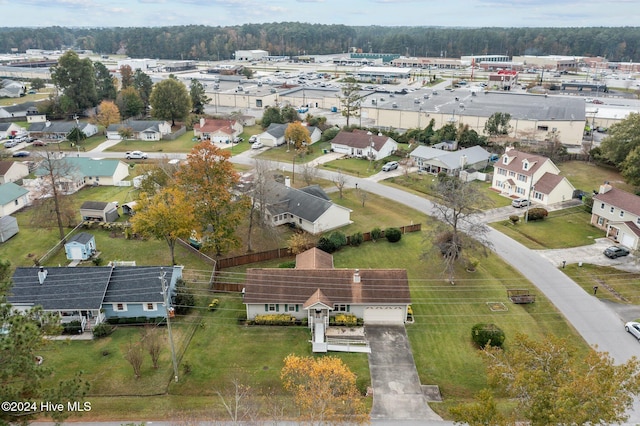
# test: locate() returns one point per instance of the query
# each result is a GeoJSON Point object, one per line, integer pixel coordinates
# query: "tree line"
{"type": "Point", "coordinates": [201, 42]}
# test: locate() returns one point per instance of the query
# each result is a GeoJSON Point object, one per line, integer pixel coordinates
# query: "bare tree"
{"type": "Point", "coordinates": [134, 354]}
{"type": "Point", "coordinates": [258, 192]}
{"type": "Point", "coordinates": [153, 343]}
{"type": "Point", "coordinates": [309, 172]}
{"type": "Point", "coordinates": [58, 178]}
{"type": "Point", "coordinates": [340, 180]}
{"type": "Point", "coordinates": [460, 227]}
{"type": "Point", "coordinates": [239, 402]}
{"type": "Point", "coordinates": [362, 195]}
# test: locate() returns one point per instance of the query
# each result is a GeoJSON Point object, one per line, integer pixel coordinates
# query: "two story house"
{"type": "Point", "coordinates": [522, 175]}
{"type": "Point", "coordinates": [618, 213]}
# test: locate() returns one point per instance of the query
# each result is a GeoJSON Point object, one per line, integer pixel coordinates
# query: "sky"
{"type": "Point", "coordinates": [446, 13]}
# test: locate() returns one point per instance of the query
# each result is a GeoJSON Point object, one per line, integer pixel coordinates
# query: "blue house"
{"type": "Point", "coordinates": [80, 247]}
{"type": "Point", "coordinates": [92, 295]}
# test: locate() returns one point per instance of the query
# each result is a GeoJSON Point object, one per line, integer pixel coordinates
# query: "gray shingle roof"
{"type": "Point", "coordinates": [137, 125]}
{"type": "Point", "coordinates": [56, 127]}
{"type": "Point", "coordinates": [136, 284]}
{"type": "Point", "coordinates": [283, 199]}
{"type": "Point", "coordinates": [81, 238]}
{"type": "Point", "coordinates": [94, 205]}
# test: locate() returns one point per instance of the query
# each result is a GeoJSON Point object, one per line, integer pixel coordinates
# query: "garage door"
{"type": "Point", "coordinates": [76, 253]}
{"type": "Point", "coordinates": [627, 240]}
{"type": "Point", "coordinates": [384, 315]}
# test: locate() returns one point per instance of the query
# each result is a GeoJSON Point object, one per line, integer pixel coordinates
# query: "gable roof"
{"type": "Point", "coordinates": [306, 205]}
{"type": "Point", "coordinates": [10, 192]}
{"type": "Point", "coordinates": [360, 139]}
{"type": "Point", "coordinates": [81, 238]}
{"type": "Point", "coordinates": [548, 182]}
{"type": "Point", "coordinates": [19, 107]}
{"type": "Point", "coordinates": [136, 284]}
{"type": "Point", "coordinates": [314, 258]}
{"type": "Point", "coordinates": [451, 159]}
{"type": "Point", "coordinates": [63, 288]}
{"type": "Point", "coordinates": [5, 166]}
{"type": "Point", "coordinates": [137, 125]}
{"type": "Point", "coordinates": [317, 298]}
{"type": "Point", "coordinates": [216, 125]}
{"type": "Point", "coordinates": [85, 166]}
{"type": "Point", "coordinates": [622, 199]}
{"type": "Point", "coordinates": [65, 127]}
{"type": "Point", "coordinates": [95, 205]}
{"type": "Point", "coordinates": [517, 159]}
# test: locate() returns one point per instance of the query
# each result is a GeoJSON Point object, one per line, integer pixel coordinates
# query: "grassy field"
{"type": "Point", "coordinates": [574, 223]}
{"type": "Point", "coordinates": [589, 177]}
{"type": "Point", "coordinates": [284, 153]}
{"type": "Point", "coordinates": [358, 166]}
{"type": "Point", "coordinates": [613, 284]}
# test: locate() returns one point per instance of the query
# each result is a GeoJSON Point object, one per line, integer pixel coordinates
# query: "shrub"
{"type": "Point", "coordinates": [102, 330]}
{"type": "Point", "coordinates": [393, 235]}
{"type": "Point", "coordinates": [537, 213]}
{"type": "Point", "coordinates": [275, 319]}
{"type": "Point", "coordinates": [356, 239]}
{"type": "Point", "coordinates": [326, 245]}
{"type": "Point", "coordinates": [97, 261]}
{"type": "Point", "coordinates": [290, 264]}
{"type": "Point", "coordinates": [338, 239]}
{"type": "Point", "coordinates": [183, 299]}
{"type": "Point", "coordinates": [376, 233]}
{"type": "Point", "coordinates": [73, 327]}
{"type": "Point", "coordinates": [214, 304]}
{"type": "Point", "coordinates": [514, 218]}
{"type": "Point", "coordinates": [487, 334]}
{"type": "Point", "coordinates": [348, 320]}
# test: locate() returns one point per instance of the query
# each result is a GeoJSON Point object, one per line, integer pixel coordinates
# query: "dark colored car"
{"type": "Point", "coordinates": [615, 251]}
{"type": "Point", "coordinates": [21, 154]}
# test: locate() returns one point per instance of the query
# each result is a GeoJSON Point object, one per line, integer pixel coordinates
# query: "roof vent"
{"type": "Point", "coordinates": [42, 274]}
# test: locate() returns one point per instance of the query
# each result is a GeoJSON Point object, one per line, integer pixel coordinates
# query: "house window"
{"type": "Point", "coordinates": [525, 165]}
{"type": "Point", "coordinates": [290, 308]}
{"type": "Point", "coordinates": [621, 213]}
{"type": "Point", "coordinates": [271, 307]}
{"type": "Point", "coordinates": [505, 160]}
{"type": "Point", "coordinates": [299, 221]}
{"type": "Point", "coordinates": [512, 173]}
{"type": "Point", "coordinates": [522, 178]}
{"type": "Point", "coordinates": [16, 202]}
{"type": "Point", "coordinates": [341, 308]}
{"type": "Point", "coordinates": [638, 221]}
{"type": "Point", "coordinates": [601, 206]}
{"type": "Point", "coordinates": [543, 128]}
{"type": "Point", "coordinates": [120, 307]}
{"type": "Point", "coordinates": [502, 172]}
{"type": "Point", "coordinates": [258, 103]}
{"type": "Point", "coordinates": [601, 221]}
{"type": "Point", "coordinates": [149, 307]}
{"type": "Point", "coordinates": [520, 190]}
{"type": "Point", "coordinates": [611, 210]}
{"type": "Point", "coordinates": [538, 196]}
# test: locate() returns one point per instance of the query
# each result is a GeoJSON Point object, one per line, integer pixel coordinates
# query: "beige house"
{"type": "Point", "coordinates": [618, 213]}
{"type": "Point", "coordinates": [217, 130]}
{"type": "Point", "coordinates": [523, 175]}
{"type": "Point", "coordinates": [11, 171]}
{"type": "Point", "coordinates": [12, 198]}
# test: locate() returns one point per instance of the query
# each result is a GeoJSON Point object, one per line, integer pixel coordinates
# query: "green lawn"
{"type": "Point", "coordinates": [588, 176]}
{"type": "Point", "coordinates": [359, 166]}
{"type": "Point", "coordinates": [285, 154]}
{"type": "Point", "coordinates": [613, 284]}
{"type": "Point", "coordinates": [561, 229]}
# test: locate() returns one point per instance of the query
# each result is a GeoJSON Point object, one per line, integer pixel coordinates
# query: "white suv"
{"type": "Point", "coordinates": [391, 165]}
{"type": "Point", "coordinates": [136, 155]}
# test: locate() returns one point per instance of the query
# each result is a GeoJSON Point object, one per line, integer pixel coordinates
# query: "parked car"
{"type": "Point", "coordinates": [38, 142]}
{"type": "Point", "coordinates": [615, 252]}
{"type": "Point", "coordinates": [391, 165]}
{"type": "Point", "coordinates": [597, 102]}
{"type": "Point", "coordinates": [136, 155]}
{"type": "Point", "coordinates": [520, 202]}
{"type": "Point", "coordinates": [237, 139]}
{"type": "Point", "coordinates": [253, 139]}
{"type": "Point", "coordinates": [257, 145]}
{"type": "Point", "coordinates": [633, 328]}
{"type": "Point", "coordinates": [10, 143]}
{"type": "Point", "coordinates": [21, 154]}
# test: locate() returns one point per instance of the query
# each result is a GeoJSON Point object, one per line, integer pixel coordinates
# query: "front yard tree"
{"type": "Point", "coordinates": [623, 138]}
{"type": "Point", "coordinates": [553, 383]}
{"type": "Point", "coordinates": [108, 113]}
{"type": "Point", "coordinates": [209, 178]}
{"type": "Point", "coordinates": [198, 97]}
{"type": "Point", "coordinates": [351, 99]}
{"type": "Point", "coordinates": [105, 87]}
{"type": "Point", "coordinates": [324, 389]}
{"type": "Point", "coordinates": [129, 103]}
{"type": "Point", "coordinates": [170, 100]}
{"type": "Point", "coordinates": [144, 85]}
{"type": "Point", "coordinates": [76, 82]}
{"type": "Point", "coordinates": [167, 215]}
{"type": "Point", "coordinates": [459, 228]}
{"type": "Point", "coordinates": [298, 136]}
{"type": "Point", "coordinates": [498, 124]}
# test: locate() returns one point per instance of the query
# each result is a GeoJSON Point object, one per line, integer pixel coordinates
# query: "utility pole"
{"type": "Point", "coordinates": [165, 295]}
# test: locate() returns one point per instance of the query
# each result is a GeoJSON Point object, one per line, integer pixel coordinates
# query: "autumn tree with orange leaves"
{"type": "Point", "coordinates": [324, 389]}
{"type": "Point", "coordinates": [298, 136]}
{"type": "Point", "coordinates": [208, 179]}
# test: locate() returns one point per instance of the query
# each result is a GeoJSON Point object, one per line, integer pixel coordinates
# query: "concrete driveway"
{"type": "Point", "coordinates": [397, 394]}
{"type": "Point", "coordinates": [591, 254]}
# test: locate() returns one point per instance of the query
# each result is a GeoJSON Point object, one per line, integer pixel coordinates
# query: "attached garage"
{"type": "Point", "coordinates": [628, 240]}
{"type": "Point", "coordinates": [384, 315]}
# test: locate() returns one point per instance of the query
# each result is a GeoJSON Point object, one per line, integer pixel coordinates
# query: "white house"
{"type": "Point", "coordinates": [11, 89]}
{"type": "Point", "coordinates": [11, 171]}
{"type": "Point", "coordinates": [362, 144]}
{"type": "Point", "coordinates": [522, 175]}
{"type": "Point", "coordinates": [144, 130]}
{"type": "Point", "coordinates": [217, 130]}
{"type": "Point", "coordinates": [12, 198]}
{"type": "Point", "coordinates": [59, 130]}
{"type": "Point", "coordinates": [275, 134]}
{"type": "Point", "coordinates": [431, 160]}
{"type": "Point", "coordinates": [10, 129]}
{"type": "Point", "coordinates": [307, 208]}
{"type": "Point", "coordinates": [618, 213]}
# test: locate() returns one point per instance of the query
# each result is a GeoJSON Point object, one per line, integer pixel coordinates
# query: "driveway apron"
{"type": "Point", "coordinates": [397, 394]}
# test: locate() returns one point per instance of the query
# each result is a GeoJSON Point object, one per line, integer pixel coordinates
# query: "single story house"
{"type": "Point", "coordinates": [80, 247]}
{"type": "Point", "coordinates": [59, 130]}
{"type": "Point", "coordinates": [217, 130]}
{"type": "Point", "coordinates": [523, 175]}
{"type": "Point", "coordinates": [618, 213]}
{"type": "Point", "coordinates": [92, 295]}
{"type": "Point", "coordinates": [315, 290]}
{"type": "Point", "coordinates": [99, 210]}
{"type": "Point", "coordinates": [11, 88]}
{"type": "Point", "coordinates": [8, 228]}
{"type": "Point", "coordinates": [362, 144]}
{"type": "Point", "coordinates": [11, 171]}
{"type": "Point", "coordinates": [9, 129]}
{"type": "Point", "coordinates": [431, 160]}
{"type": "Point", "coordinates": [81, 171]}
{"type": "Point", "coordinates": [12, 198]}
{"type": "Point", "coordinates": [18, 110]}
{"type": "Point", "coordinates": [308, 208]}
{"type": "Point", "coordinates": [144, 130]}
{"type": "Point", "coordinates": [275, 134]}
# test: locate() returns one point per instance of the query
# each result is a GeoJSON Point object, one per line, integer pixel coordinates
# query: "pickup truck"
{"type": "Point", "coordinates": [136, 155]}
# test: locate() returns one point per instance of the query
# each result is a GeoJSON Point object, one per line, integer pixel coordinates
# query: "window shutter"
{"type": "Point", "coordinates": [277, 307]}
{"type": "Point", "coordinates": [348, 308]}
{"type": "Point", "coordinates": [286, 307]}
{"type": "Point", "coordinates": [296, 308]}
{"type": "Point", "coordinates": [266, 307]}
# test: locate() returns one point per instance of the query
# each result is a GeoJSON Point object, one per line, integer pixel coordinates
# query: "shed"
{"type": "Point", "coordinates": [8, 228]}
{"type": "Point", "coordinates": [129, 208]}
{"type": "Point", "coordinates": [80, 247]}
{"type": "Point", "coordinates": [99, 210]}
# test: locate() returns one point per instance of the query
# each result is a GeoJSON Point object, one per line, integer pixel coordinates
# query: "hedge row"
{"type": "Point", "coordinates": [135, 320]}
